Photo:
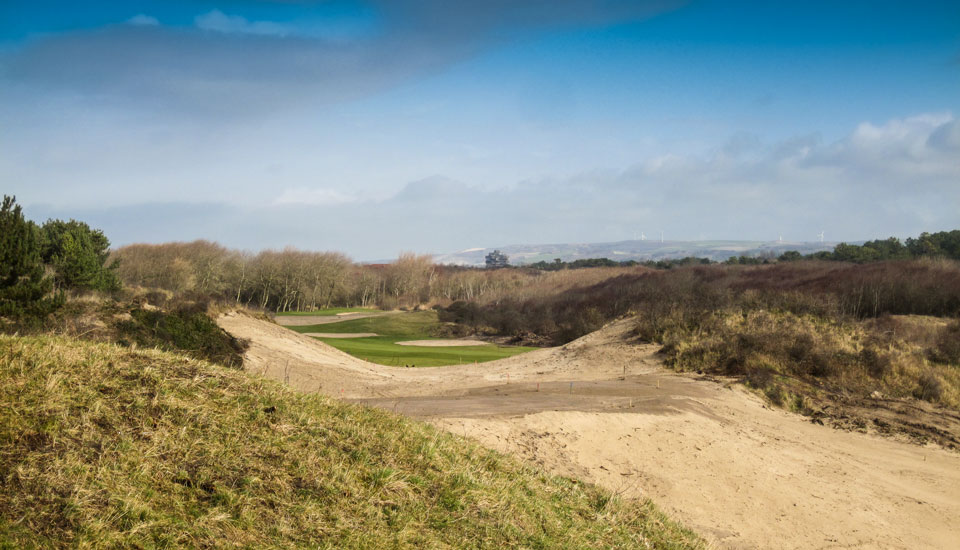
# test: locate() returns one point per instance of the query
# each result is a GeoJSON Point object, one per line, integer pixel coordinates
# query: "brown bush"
{"type": "Point", "coordinates": [929, 387]}
{"type": "Point", "coordinates": [947, 347]}
{"type": "Point", "coordinates": [876, 363]}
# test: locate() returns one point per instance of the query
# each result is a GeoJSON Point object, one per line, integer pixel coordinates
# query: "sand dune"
{"type": "Point", "coordinates": [713, 455]}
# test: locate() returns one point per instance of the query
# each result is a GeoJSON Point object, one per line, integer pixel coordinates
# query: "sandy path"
{"type": "Point", "coordinates": [304, 320]}
{"type": "Point", "coordinates": [715, 457]}
{"type": "Point", "coordinates": [340, 334]}
{"type": "Point", "coordinates": [443, 343]}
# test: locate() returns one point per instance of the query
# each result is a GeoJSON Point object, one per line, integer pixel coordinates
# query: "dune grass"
{"type": "Point", "coordinates": [390, 329]}
{"type": "Point", "coordinates": [791, 357]}
{"type": "Point", "coordinates": [103, 446]}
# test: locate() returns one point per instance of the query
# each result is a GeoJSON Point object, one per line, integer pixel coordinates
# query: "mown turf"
{"type": "Point", "coordinates": [327, 312]}
{"type": "Point", "coordinates": [399, 327]}
{"type": "Point", "coordinates": [385, 351]}
{"type": "Point", "coordinates": [102, 446]}
{"type": "Point", "coordinates": [417, 325]}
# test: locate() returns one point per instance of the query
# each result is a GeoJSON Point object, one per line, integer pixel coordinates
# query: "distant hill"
{"type": "Point", "coordinates": [640, 250]}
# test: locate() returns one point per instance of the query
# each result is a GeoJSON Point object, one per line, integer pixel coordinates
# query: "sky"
{"type": "Point", "coordinates": [374, 127]}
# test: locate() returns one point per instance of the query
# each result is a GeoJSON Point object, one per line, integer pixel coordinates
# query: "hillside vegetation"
{"type": "Point", "coordinates": [832, 340]}
{"type": "Point", "coordinates": [102, 446]}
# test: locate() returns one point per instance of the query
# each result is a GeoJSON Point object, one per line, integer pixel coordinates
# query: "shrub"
{"type": "Point", "coordinates": [188, 329]}
{"type": "Point", "coordinates": [78, 255]}
{"type": "Point", "coordinates": [24, 288]}
{"type": "Point", "coordinates": [877, 364]}
{"type": "Point", "coordinates": [929, 387]}
{"type": "Point", "coordinates": [947, 347]}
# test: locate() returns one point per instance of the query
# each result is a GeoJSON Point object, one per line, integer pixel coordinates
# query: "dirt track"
{"type": "Point", "coordinates": [712, 455]}
{"type": "Point", "coordinates": [443, 343]}
{"type": "Point", "coordinates": [306, 320]}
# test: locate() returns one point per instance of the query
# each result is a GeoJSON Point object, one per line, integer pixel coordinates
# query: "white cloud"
{"type": "Point", "coordinates": [858, 187]}
{"type": "Point", "coordinates": [143, 20]}
{"type": "Point", "coordinates": [315, 197]}
{"type": "Point", "coordinates": [218, 21]}
{"type": "Point", "coordinates": [923, 147]}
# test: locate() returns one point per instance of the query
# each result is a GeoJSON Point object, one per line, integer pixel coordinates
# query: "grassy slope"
{"type": "Point", "coordinates": [103, 446]}
{"type": "Point", "coordinates": [421, 325]}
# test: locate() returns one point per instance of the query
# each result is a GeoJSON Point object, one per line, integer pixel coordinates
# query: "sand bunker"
{"type": "Point", "coordinates": [443, 343]}
{"type": "Point", "coordinates": [713, 455]}
{"type": "Point", "coordinates": [341, 334]}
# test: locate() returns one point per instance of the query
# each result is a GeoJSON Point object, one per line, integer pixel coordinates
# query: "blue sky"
{"type": "Point", "coordinates": [374, 127]}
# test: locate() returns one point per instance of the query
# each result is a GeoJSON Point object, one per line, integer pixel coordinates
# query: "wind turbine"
{"type": "Point", "coordinates": [643, 236]}
{"type": "Point", "coordinates": [821, 236]}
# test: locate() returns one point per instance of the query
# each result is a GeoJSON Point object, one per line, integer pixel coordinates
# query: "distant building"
{"type": "Point", "coordinates": [497, 259]}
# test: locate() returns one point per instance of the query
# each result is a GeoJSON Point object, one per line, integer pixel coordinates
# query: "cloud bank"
{"type": "Point", "coordinates": [898, 178]}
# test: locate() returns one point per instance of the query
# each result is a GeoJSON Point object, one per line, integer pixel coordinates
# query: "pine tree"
{"type": "Point", "coordinates": [78, 255]}
{"type": "Point", "coordinates": [24, 288]}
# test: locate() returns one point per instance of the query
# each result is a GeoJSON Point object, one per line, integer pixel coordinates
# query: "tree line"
{"type": "Point", "coordinates": [298, 280]}
{"type": "Point", "coordinates": [943, 244]}
{"type": "Point", "coordinates": [40, 263]}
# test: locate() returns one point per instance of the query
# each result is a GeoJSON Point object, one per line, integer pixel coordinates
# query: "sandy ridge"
{"type": "Point", "coordinates": [340, 334]}
{"type": "Point", "coordinates": [443, 343]}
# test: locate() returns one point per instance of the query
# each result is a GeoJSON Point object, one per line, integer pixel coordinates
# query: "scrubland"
{"type": "Point", "coordinates": [830, 340]}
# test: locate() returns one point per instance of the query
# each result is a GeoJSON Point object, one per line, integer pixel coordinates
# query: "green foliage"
{"type": "Point", "coordinates": [790, 256]}
{"type": "Point", "coordinates": [558, 264]}
{"type": "Point", "coordinates": [945, 244]}
{"type": "Point", "coordinates": [24, 289]}
{"type": "Point", "coordinates": [78, 255]}
{"type": "Point", "coordinates": [184, 330]}
{"type": "Point", "coordinates": [746, 260]}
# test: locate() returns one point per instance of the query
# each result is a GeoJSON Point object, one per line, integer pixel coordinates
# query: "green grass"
{"type": "Point", "coordinates": [399, 327]}
{"type": "Point", "coordinates": [328, 312]}
{"type": "Point", "coordinates": [385, 351]}
{"type": "Point", "coordinates": [417, 325]}
{"type": "Point", "coordinates": [107, 447]}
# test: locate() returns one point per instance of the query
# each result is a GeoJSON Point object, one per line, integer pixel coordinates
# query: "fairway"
{"type": "Point", "coordinates": [390, 329]}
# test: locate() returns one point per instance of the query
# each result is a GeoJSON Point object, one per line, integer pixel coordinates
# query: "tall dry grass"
{"type": "Point", "coordinates": [106, 447]}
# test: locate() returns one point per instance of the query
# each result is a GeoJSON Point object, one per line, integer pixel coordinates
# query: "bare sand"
{"type": "Point", "coordinates": [305, 320]}
{"type": "Point", "coordinates": [443, 343]}
{"type": "Point", "coordinates": [708, 452]}
{"type": "Point", "coordinates": [340, 334]}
